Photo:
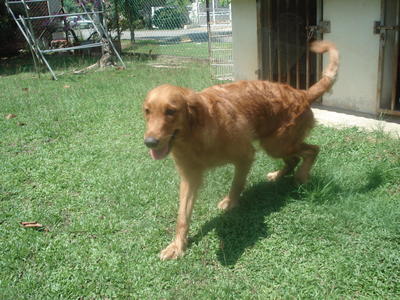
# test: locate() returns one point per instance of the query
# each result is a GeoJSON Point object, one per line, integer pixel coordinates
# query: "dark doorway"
{"type": "Point", "coordinates": [389, 59]}
{"type": "Point", "coordinates": [286, 29]}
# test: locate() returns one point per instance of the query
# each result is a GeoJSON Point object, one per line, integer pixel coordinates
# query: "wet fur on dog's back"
{"type": "Point", "coordinates": [218, 125]}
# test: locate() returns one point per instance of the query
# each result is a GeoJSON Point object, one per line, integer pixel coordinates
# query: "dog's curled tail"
{"type": "Point", "coordinates": [329, 74]}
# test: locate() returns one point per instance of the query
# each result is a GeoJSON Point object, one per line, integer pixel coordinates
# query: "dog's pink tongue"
{"type": "Point", "coordinates": [160, 153]}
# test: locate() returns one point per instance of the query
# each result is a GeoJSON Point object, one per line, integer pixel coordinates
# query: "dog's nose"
{"type": "Point", "coordinates": [151, 142]}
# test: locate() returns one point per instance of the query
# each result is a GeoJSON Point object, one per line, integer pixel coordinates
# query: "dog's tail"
{"type": "Point", "coordinates": [329, 74]}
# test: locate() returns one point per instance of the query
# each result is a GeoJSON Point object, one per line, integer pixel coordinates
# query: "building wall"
{"type": "Point", "coordinates": [244, 33]}
{"type": "Point", "coordinates": [352, 32]}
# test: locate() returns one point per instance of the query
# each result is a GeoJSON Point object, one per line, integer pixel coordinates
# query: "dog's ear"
{"type": "Point", "coordinates": [195, 110]}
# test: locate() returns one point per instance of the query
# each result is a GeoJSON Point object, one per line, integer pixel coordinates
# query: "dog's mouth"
{"type": "Point", "coordinates": [162, 152]}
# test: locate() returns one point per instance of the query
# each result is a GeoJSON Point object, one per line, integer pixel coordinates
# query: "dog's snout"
{"type": "Point", "coordinates": [151, 142]}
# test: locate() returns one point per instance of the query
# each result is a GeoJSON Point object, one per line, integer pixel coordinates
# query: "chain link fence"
{"type": "Point", "coordinates": [194, 29]}
{"type": "Point", "coordinates": [167, 27]}
{"type": "Point", "coordinates": [197, 29]}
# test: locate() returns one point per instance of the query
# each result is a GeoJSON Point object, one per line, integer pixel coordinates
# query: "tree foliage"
{"type": "Point", "coordinates": [170, 18]}
{"type": "Point", "coordinates": [8, 31]}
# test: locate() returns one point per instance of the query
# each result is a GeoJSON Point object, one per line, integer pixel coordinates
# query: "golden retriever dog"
{"type": "Point", "coordinates": [218, 125]}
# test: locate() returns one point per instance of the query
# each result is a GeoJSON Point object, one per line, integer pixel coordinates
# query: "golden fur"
{"type": "Point", "coordinates": [217, 126]}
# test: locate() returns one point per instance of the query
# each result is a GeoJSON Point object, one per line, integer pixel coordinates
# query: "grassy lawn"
{"type": "Point", "coordinates": [186, 49]}
{"type": "Point", "coordinates": [73, 160]}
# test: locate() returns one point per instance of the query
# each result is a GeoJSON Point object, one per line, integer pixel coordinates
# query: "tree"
{"type": "Point", "coordinates": [137, 14]}
{"type": "Point", "coordinates": [70, 6]}
{"type": "Point", "coordinates": [8, 33]}
{"type": "Point", "coordinates": [170, 18]}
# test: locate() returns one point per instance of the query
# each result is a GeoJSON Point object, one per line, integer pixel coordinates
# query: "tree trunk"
{"type": "Point", "coordinates": [132, 30]}
{"type": "Point", "coordinates": [118, 46]}
{"type": "Point", "coordinates": [129, 14]}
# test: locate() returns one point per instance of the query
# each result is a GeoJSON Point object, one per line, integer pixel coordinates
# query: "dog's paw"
{"type": "Point", "coordinates": [227, 204]}
{"type": "Point", "coordinates": [273, 176]}
{"type": "Point", "coordinates": [171, 252]}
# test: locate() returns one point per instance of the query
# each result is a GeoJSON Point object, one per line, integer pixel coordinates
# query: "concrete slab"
{"type": "Point", "coordinates": [340, 119]}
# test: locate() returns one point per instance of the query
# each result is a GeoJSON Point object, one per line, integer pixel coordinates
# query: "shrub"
{"type": "Point", "coordinates": [170, 18]}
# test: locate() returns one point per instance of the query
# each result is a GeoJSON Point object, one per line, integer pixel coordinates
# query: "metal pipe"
{"type": "Point", "coordinates": [287, 48]}
{"type": "Point", "coordinates": [93, 45]}
{"type": "Point", "coordinates": [27, 38]}
{"type": "Point", "coordinates": [297, 51]}
{"type": "Point", "coordinates": [39, 53]}
{"type": "Point", "coordinates": [208, 29]}
{"type": "Point", "coordinates": [395, 63]}
{"type": "Point", "coordinates": [270, 71]}
{"type": "Point", "coordinates": [32, 35]}
{"type": "Point", "coordinates": [62, 15]}
{"type": "Point", "coordinates": [213, 10]}
{"type": "Point", "coordinates": [307, 49]}
{"type": "Point", "coordinates": [104, 35]}
{"type": "Point", "coordinates": [381, 59]}
{"type": "Point", "coordinates": [26, 1]}
{"type": "Point", "coordinates": [278, 40]}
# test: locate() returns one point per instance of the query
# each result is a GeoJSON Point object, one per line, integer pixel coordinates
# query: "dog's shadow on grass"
{"type": "Point", "coordinates": [241, 227]}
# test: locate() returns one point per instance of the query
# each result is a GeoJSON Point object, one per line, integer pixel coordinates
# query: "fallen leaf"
{"type": "Point", "coordinates": [10, 116]}
{"type": "Point", "coordinates": [31, 224]}
{"type": "Point", "coordinates": [67, 86]}
{"type": "Point", "coordinates": [25, 89]}
{"type": "Point", "coordinates": [35, 225]}
{"type": "Point", "coordinates": [21, 124]}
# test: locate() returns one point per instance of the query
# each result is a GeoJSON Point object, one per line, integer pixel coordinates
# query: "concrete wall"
{"type": "Point", "coordinates": [352, 32]}
{"type": "Point", "coordinates": [244, 31]}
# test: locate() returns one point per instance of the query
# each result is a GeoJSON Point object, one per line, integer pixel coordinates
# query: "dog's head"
{"type": "Point", "coordinates": [169, 110]}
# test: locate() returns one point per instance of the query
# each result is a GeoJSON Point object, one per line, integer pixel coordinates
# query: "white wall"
{"type": "Point", "coordinates": [244, 32]}
{"type": "Point", "coordinates": [352, 32]}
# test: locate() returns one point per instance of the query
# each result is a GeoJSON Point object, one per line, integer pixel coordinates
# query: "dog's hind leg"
{"type": "Point", "coordinates": [290, 165]}
{"type": "Point", "coordinates": [190, 184]}
{"type": "Point", "coordinates": [308, 153]}
{"type": "Point", "coordinates": [242, 168]}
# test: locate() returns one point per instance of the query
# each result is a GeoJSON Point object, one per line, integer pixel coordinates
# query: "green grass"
{"type": "Point", "coordinates": [78, 166]}
{"type": "Point", "coordinates": [185, 49]}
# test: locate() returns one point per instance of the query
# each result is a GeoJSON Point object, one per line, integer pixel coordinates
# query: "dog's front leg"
{"type": "Point", "coordinates": [242, 168]}
{"type": "Point", "coordinates": [190, 184]}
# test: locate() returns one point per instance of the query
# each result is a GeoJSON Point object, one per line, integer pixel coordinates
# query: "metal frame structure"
{"type": "Point", "coordinates": [25, 26]}
{"type": "Point", "coordinates": [274, 50]}
{"type": "Point", "coordinates": [388, 29]}
{"type": "Point", "coordinates": [219, 49]}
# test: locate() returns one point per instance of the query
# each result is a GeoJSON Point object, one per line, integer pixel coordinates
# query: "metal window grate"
{"type": "Point", "coordinates": [287, 28]}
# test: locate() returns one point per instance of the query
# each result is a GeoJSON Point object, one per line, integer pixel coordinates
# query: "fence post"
{"type": "Point", "coordinates": [208, 29]}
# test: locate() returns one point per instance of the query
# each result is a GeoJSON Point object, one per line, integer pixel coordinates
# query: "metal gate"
{"type": "Point", "coordinates": [286, 30]}
{"type": "Point", "coordinates": [389, 80]}
{"type": "Point", "coordinates": [219, 29]}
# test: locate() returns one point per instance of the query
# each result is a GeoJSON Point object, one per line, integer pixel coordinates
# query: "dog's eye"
{"type": "Point", "coordinates": [147, 111]}
{"type": "Point", "coordinates": [170, 112]}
